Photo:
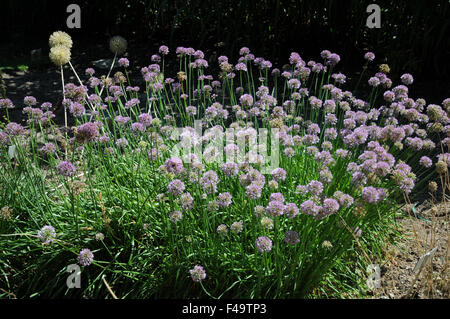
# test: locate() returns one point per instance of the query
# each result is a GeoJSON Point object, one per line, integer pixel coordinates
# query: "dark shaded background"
{"type": "Point", "coordinates": [414, 35]}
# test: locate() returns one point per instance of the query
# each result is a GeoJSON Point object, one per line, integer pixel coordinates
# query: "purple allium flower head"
{"type": "Point", "coordinates": [66, 168]}
{"type": "Point", "coordinates": [374, 81]}
{"type": "Point", "coordinates": [89, 71]}
{"type": "Point", "coordinates": [253, 191]}
{"type": "Point", "coordinates": [76, 109]}
{"type": "Point", "coordinates": [29, 100]}
{"type": "Point", "coordinates": [209, 182]}
{"type": "Point", "coordinates": [14, 129]}
{"type": "Point", "coordinates": [4, 138]}
{"type": "Point", "coordinates": [407, 79]}
{"type": "Point", "coordinates": [279, 174]}
{"type": "Point", "coordinates": [357, 232]}
{"type": "Point", "coordinates": [47, 234]}
{"type": "Point", "coordinates": [137, 127]}
{"type": "Point", "coordinates": [174, 165]}
{"type": "Point", "coordinates": [315, 188]}
{"type": "Point", "coordinates": [187, 201]}
{"type": "Point", "coordinates": [122, 142]}
{"type": "Point", "coordinates": [146, 119]}
{"type": "Point", "coordinates": [124, 62]}
{"type": "Point", "coordinates": [6, 104]}
{"type": "Point", "coordinates": [176, 187]}
{"type": "Point", "coordinates": [263, 244]}
{"type": "Point", "coordinates": [224, 199]}
{"type": "Point", "coordinates": [275, 208]}
{"type": "Point", "coordinates": [330, 206]}
{"type": "Point", "coordinates": [222, 229]}
{"type": "Point", "coordinates": [310, 208]}
{"type": "Point", "coordinates": [276, 196]}
{"type": "Point", "coordinates": [333, 59]}
{"type": "Point", "coordinates": [291, 210]}
{"type": "Point", "coordinates": [48, 148]}
{"type": "Point", "coordinates": [371, 195]}
{"type": "Point", "coordinates": [237, 227]}
{"type": "Point", "coordinates": [175, 216]}
{"type": "Point", "coordinates": [246, 100]}
{"type": "Point", "coordinates": [197, 273]}
{"type": "Point", "coordinates": [164, 50]}
{"type": "Point", "coordinates": [369, 56]}
{"type": "Point", "coordinates": [291, 237]}
{"type": "Point", "coordinates": [87, 132]}
{"type": "Point", "coordinates": [85, 257]}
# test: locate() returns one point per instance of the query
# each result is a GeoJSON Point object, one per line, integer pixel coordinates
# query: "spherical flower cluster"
{"type": "Point", "coordinates": [176, 187]}
{"type": "Point", "coordinates": [230, 169]}
{"type": "Point", "coordinates": [174, 165]}
{"type": "Point", "coordinates": [425, 161]}
{"type": "Point", "coordinates": [66, 168]}
{"type": "Point", "coordinates": [373, 195]}
{"type": "Point", "coordinates": [237, 227]}
{"type": "Point", "coordinates": [369, 56]}
{"type": "Point", "coordinates": [87, 132]}
{"type": "Point", "coordinates": [275, 208]}
{"type": "Point", "coordinates": [197, 273]}
{"type": "Point", "coordinates": [47, 234]}
{"type": "Point", "coordinates": [291, 210]}
{"type": "Point", "coordinates": [209, 182]}
{"type": "Point", "coordinates": [48, 148]}
{"type": "Point", "coordinates": [222, 230]}
{"type": "Point", "coordinates": [60, 38]}
{"type": "Point", "coordinates": [124, 62]}
{"type": "Point", "coordinates": [279, 174]}
{"type": "Point", "coordinates": [263, 244]}
{"type": "Point", "coordinates": [175, 216]}
{"type": "Point", "coordinates": [59, 55]}
{"type": "Point", "coordinates": [407, 79]}
{"type": "Point", "coordinates": [224, 199]}
{"type": "Point", "coordinates": [118, 45]}
{"type": "Point", "coordinates": [291, 237]}
{"type": "Point", "coordinates": [86, 257]}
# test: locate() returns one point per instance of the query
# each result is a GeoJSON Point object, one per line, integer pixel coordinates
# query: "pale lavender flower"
{"type": "Point", "coordinates": [29, 100]}
{"type": "Point", "coordinates": [209, 182]}
{"type": "Point", "coordinates": [85, 257]}
{"type": "Point", "coordinates": [222, 229]}
{"type": "Point", "coordinates": [224, 199]}
{"type": "Point", "coordinates": [176, 187]}
{"type": "Point", "coordinates": [275, 208]}
{"type": "Point", "coordinates": [66, 168]}
{"type": "Point", "coordinates": [124, 62]}
{"type": "Point", "coordinates": [276, 197]}
{"type": "Point", "coordinates": [263, 244]}
{"type": "Point", "coordinates": [175, 216]}
{"type": "Point", "coordinates": [174, 165]}
{"type": "Point", "coordinates": [291, 210]}
{"type": "Point", "coordinates": [47, 234]}
{"type": "Point", "coordinates": [197, 273]}
{"type": "Point", "coordinates": [407, 79]}
{"type": "Point", "coordinates": [279, 174]}
{"type": "Point", "coordinates": [122, 142]}
{"type": "Point", "coordinates": [164, 50]}
{"type": "Point", "coordinates": [253, 191]}
{"type": "Point", "coordinates": [369, 56]}
{"type": "Point", "coordinates": [237, 227]}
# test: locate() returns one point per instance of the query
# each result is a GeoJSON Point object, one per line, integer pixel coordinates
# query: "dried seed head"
{"type": "Point", "coordinates": [441, 167]}
{"type": "Point", "coordinates": [60, 38]}
{"type": "Point", "coordinates": [118, 45]}
{"type": "Point", "coordinates": [432, 186]}
{"type": "Point", "coordinates": [59, 55]}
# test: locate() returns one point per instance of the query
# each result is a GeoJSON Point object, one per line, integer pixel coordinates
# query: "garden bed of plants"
{"type": "Point", "coordinates": [254, 182]}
